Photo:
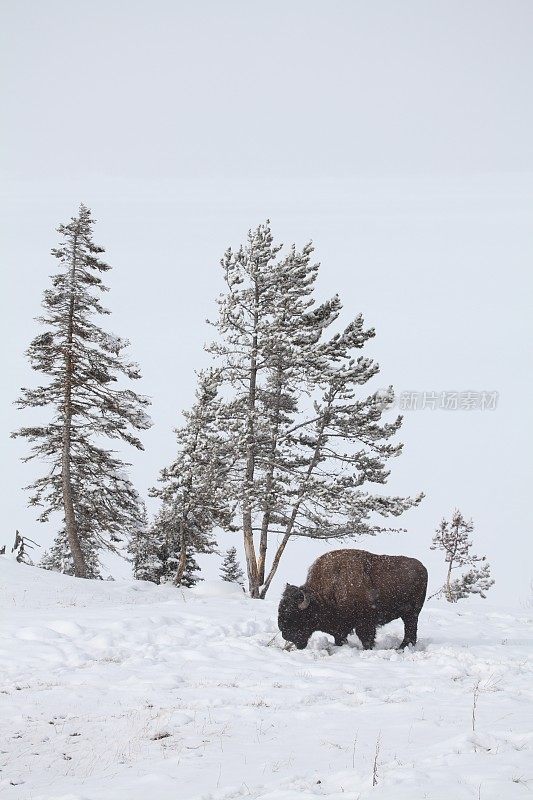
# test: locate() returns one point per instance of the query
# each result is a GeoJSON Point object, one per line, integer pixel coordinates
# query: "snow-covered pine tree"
{"type": "Point", "coordinates": [157, 555]}
{"type": "Point", "coordinates": [303, 443]}
{"type": "Point", "coordinates": [146, 551]}
{"type": "Point", "coordinates": [58, 558]}
{"type": "Point", "coordinates": [84, 481]}
{"type": "Point", "coordinates": [189, 576]}
{"type": "Point", "coordinates": [193, 488]}
{"type": "Point", "coordinates": [230, 569]}
{"type": "Point", "coordinates": [453, 538]}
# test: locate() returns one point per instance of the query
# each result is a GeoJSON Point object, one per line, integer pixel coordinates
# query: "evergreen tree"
{"type": "Point", "coordinates": [84, 481]}
{"type": "Point", "coordinates": [189, 575]}
{"type": "Point", "coordinates": [157, 553]}
{"type": "Point", "coordinates": [58, 558]}
{"type": "Point", "coordinates": [230, 569]}
{"type": "Point", "coordinates": [302, 442]}
{"type": "Point", "coordinates": [194, 487]}
{"type": "Point", "coordinates": [453, 538]}
{"type": "Point", "coordinates": [145, 550]}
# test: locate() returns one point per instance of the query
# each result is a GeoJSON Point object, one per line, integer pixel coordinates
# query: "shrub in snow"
{"type": "Point", "coordinates": [453, 538]}
{"type": "Point", "coordinates": [19, 551]}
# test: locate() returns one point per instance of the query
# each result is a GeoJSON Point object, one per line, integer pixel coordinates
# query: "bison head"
{"type": "Point", "coordinates": [297, 615]}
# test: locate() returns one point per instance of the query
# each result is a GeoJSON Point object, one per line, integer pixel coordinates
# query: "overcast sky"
{"type": "Point", "coordinates": [398, 136]}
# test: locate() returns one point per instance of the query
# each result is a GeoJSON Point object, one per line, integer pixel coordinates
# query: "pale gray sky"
{"type": "Point", "coordinates": [397, 136]}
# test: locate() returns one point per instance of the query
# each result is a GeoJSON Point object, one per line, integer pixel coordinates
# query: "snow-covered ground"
{"type": "Point", "coordinates": [127, 690]}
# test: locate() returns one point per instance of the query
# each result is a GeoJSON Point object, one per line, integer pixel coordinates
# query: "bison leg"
{"type": "Point", "coordinates": [410, 622]}
{"type": "Point", "coordinates": [366, 631]}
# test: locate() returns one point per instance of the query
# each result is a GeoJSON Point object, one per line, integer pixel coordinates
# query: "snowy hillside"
{"type": "Point", "coordinates": [128, 690]}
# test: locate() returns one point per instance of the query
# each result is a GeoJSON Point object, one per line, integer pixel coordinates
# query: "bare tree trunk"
{"type": "Point", "coordinates": [183, 554]}
{"type": "Point", "coordinates": [269, 481]}
{"type": "Point", "coordinates": [275, 564]}
{"type": "Point", "coordinates": [249, 548]}
{"type": "Point", "coordinates": [448, 589]}
{"type": "Point", "coordinates": [450, 565]}
{"type": "Point", "coordinates": [80, 569]}
{"type": "Point", "coordinates": [296, 507]}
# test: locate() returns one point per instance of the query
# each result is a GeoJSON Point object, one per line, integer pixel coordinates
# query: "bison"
{"type": "Point", "coordinates": [349, 590]}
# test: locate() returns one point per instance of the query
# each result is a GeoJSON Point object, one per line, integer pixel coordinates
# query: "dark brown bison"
{"type": "Point", "coordinates": [349, 590]}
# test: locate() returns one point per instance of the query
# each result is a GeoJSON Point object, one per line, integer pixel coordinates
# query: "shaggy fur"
{"type": "Point", "coordinates": [349, 590]}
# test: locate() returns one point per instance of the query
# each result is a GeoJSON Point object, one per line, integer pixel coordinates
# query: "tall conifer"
{"type": "Point", "coordinates": [84, 481]}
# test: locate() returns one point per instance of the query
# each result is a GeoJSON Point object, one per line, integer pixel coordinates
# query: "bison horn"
{"type": "Point", "coordinates": [302, 605]}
